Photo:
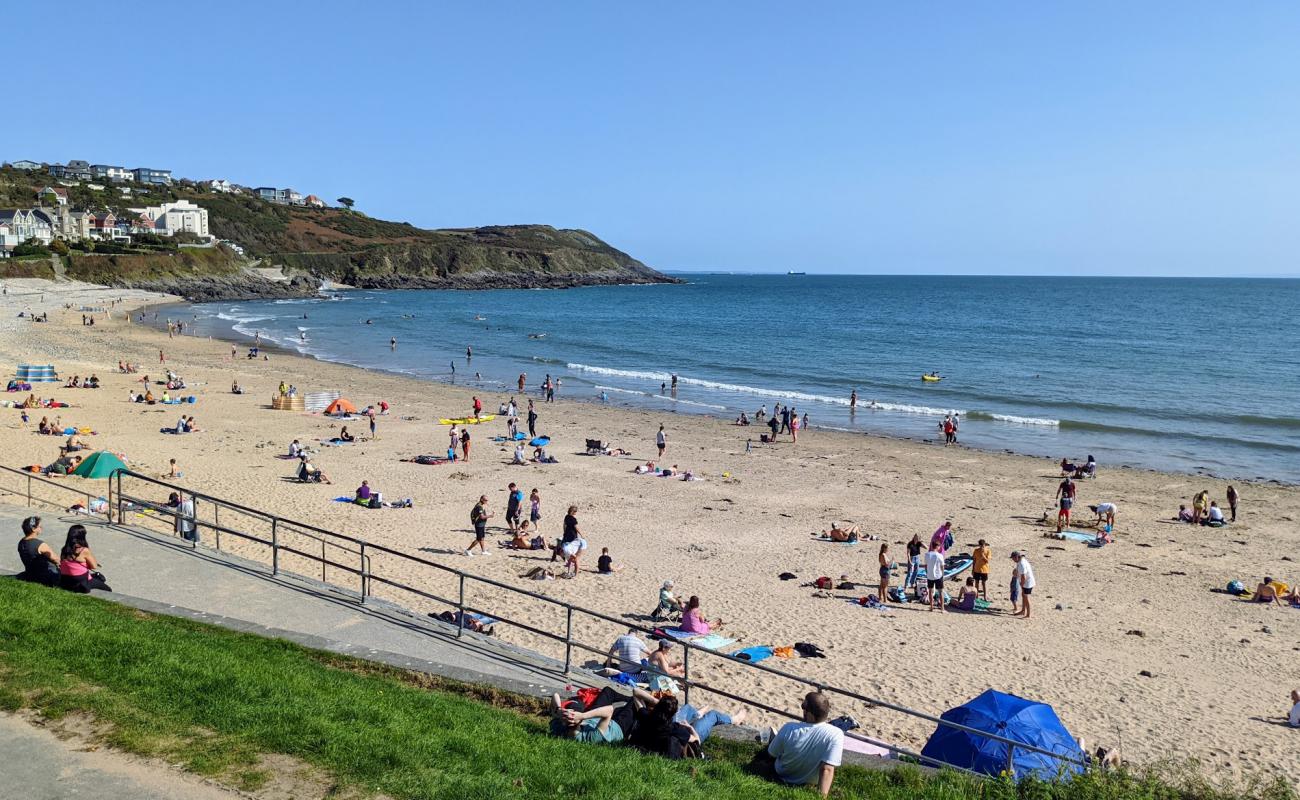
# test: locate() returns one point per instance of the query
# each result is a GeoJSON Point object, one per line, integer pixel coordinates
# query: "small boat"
{"type": "Point", "coordinates": [792, 272]}
{"type": "Point", "coordinates": [536, 336]}
{"type": "Point", "coordinates": [931, 378]}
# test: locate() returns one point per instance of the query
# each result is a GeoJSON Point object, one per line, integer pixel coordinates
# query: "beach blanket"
{"type": "Point", "coordinates": [426, 460]}
{"type": "Point", "coordinates": [713, 641]}
{"type": "Point", "coordinates": [832, 541]}
{"type": "Point", "coordinates": [344, 499]}
{"type": "Point", "coordinates": [867, 748]}
{"type": "Point", "coordinates": [1080, 536]}
{"type": "Point", "coordinates": [753, 654]}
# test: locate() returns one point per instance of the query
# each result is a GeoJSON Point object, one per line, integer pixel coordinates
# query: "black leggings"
{"type": "Point", "coordinates": [84, 583]}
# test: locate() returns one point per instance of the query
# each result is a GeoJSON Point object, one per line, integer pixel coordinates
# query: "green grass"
{"type": "Point", "coordinates": [215, 701]}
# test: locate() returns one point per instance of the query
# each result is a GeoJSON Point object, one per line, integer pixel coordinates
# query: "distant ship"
{"type": "Point", "coordinates": [792, 272]}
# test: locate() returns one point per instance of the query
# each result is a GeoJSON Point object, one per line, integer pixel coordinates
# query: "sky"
{"type": "Point", "coordinates": [1152, 138]}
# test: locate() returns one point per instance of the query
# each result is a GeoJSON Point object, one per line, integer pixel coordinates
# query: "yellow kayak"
{"type": "Point", "coordinates": [468, 420]}
{"type": "Point", "coordinates": [931, 378]}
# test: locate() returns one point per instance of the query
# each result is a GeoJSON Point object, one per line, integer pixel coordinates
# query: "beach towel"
{"type": "Point", "coordinates": [784, 652]}
{"type": "Point", "coordinates": [1079, 536]}
{"type": "Point", "coordinates": [426, 460]}
{"type": "Point", "coordinates": [713, 641]}
{"type": "Point", "coordinates": [832, 541]}
{"type": "Point", "coordinates": [624, 679]}
{"type": "Point", "coordinates": [678, 633]}
{"type": "Point", "coordinates": [344, 499]}
{"type": "Point", "coordinates": [754, 654]}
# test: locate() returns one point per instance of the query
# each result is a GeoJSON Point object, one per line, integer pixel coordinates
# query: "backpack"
{"type": "Point", "coordinates": [808, 650]}
{"type": "Point", "coordinates": [824, 583]}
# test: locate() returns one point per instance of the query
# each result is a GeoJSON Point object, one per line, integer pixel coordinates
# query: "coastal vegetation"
{"type": "Point", "coordinates": [233, 706]}
{"type": "Point", "coordinates": [338, 244]}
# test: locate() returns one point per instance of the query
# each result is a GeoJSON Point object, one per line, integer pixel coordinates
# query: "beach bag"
{"type": "Point", "coordinates": [537, 543]}
{"type": "Point", "coordinates": [808, 650]}
{"type": "Point", "coordinates": [947, 540]}
{"type": "Point", "coordinates": [787, 576]}
{"type": "Point", "coordinates": [897, 595]}
{"type": "Point", "coordinates": [1236, 587]}
{"type": "Point", "coordinates": [663, 683]}
{"type": "Point", "coordinates": [824, 582]}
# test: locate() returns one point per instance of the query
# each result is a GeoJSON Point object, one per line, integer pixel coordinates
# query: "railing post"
{"type": "Point", "coordinates": [275, 546]}
{"type": "Point", "coordinates": [460, 608]}
{"type": "Point", "coordinates": [363, 572]}
{"type": "Point", "coordinates": [322, 560]}
{"type": "Point", "coordinates": [568, 638]}
{"type": "Point", "coordinates": [29, 491]}
{"type": "Point", "coordinates": [686, 673]}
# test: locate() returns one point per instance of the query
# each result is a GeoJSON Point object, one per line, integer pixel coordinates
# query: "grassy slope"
{"type": "Point", "coordinates": [214, 700]}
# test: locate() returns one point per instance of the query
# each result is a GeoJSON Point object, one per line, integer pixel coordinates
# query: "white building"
{"type": "Point", "coordinates": [34, 224]}
{"type": "Point", "coordinates": [8, 240]}
{"type": "Point", "coordinates": [221, 185]}
{"type": "Point", "coordinates": [181, 216]}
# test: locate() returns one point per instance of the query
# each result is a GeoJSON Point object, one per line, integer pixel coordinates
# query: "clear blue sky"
{"type": "Point", "coordinates": [1001, 137]}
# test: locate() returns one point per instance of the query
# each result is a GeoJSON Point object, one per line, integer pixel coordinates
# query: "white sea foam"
{"type": "Point", "coordinates": [757, 391]}
{"type": "Point", "coordinates": [1025, 420]}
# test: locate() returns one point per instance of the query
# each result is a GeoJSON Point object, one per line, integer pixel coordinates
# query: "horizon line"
{"type": "Point", "coordinates": [808, 274]}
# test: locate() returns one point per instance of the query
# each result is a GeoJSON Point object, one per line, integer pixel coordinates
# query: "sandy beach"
{"type": "Point", "coordinates": [1127, 642]}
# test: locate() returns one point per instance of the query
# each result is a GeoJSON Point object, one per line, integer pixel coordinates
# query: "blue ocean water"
{"type": "Point", "coordinates": [1190, 375]}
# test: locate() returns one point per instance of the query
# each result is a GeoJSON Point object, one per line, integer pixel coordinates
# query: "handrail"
{"type": "Point", "coordinates": [32, 476]}
{"type": "Point", "coordinates": [368, 577]}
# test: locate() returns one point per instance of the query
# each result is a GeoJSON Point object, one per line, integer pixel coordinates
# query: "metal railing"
{"type": "Point", "coordinates": [282, 542]}
{"type": "Point", "coordinates": [20, 483]}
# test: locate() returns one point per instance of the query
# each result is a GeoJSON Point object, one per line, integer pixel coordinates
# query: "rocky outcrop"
{"type": "Point", "coordinates": [242, 286]}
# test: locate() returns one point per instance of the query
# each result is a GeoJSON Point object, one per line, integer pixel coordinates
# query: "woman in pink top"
{"type": "Point", "coordinates": [693, 620]}
{"type": "Point", "coordinates": [940, 536]}
{"type": "Point", "coordinates": [77, 564]}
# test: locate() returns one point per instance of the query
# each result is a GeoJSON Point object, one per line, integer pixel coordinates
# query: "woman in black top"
{"type": "Point", "coordinates": [40, 563]}
{"type": "Point", "coordinates": [655, 731]}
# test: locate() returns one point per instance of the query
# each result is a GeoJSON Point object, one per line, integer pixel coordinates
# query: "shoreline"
{"type": "Point", "coordinates": [232, 336]}
{"type": "Point", "coordinates": [728, 538]}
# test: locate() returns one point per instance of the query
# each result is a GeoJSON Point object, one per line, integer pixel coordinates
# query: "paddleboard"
{"type": "Point", "coordinates": [956, 565]}
{"type": "Point", "coordinates": [467, 420]}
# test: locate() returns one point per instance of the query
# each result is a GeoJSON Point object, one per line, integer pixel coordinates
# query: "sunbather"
{"type": "Point", "coordinates": [838, 534]}
{"type": "Point", "coordinates": [539, 574]}
{"type": "Point", "coordinates": [659, 660]}
{"type": "Point", "coordinates": [693, 620]}
{"type": "Point", "coordinates": [344, 436]}
{"type": "Point", "coordinates": [966, 600]}
{"type": "Point", "coordinates": [309, 472]}
{"type": "Point", "coordinates": [1266, 592]}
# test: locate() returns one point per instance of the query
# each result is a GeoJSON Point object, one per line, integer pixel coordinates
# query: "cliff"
{"type": "Point", "coordinates": [317, 244]}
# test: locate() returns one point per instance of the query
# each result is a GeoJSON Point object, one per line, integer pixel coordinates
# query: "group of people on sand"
{"type": "Point", "coordinates": [73, 567]}
{"type": "Point", "coordinates": [77, 383]}
{"type": "Point", "coordinates": [1205, 511]}
{"type": "Point", "coordinates": [1087, 469]}
{"type": "Point", "coordinates": [784, 419]}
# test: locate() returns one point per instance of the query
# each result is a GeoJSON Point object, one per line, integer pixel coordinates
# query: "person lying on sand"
{"type": "Point", "coordinates": [616, 451]}
{"type": "Point", "coordinates": [643, 469]}
{"type": "Point", "coordinates": [539, 574]}
{"type": "Point", "coordinates": [1266, 592]}
{"type": "Point", "coordinates": [838, 534]}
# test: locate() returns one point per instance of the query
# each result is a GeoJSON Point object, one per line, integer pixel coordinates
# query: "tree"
{"type": "Point", "coordinates": [59, 246]}
{"type": "Point", "coordinates": [346, 202]}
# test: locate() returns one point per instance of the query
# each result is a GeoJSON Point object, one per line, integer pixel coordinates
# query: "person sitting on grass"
{"type": "Point", "coordinates": [805, 752]}
{"type": "Point", "coordinates": [77, 565]}
{"type": "Point", "coordinates": [657, 730]}
{"type": "Point", "coordinates": [40, 564]}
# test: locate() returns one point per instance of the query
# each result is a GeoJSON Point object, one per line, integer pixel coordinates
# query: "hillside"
{"type": "Point", "coordinates": [343, 246]}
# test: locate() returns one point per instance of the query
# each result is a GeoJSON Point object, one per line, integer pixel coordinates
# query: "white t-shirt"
{"type": "Point", "coordinates": [800, 749]}
{"type": "Point", "coordinates": [934, 565]}
{"type": "Point", "coordinates": [1025, 572]}
{"type": "Point", "coordinates": [1106, 508]}
{"type": "Point", "coordinates": [660, 438]}
{"type": "Point", "coordinates": [1216, 514]}
{"type": "Point", "coordinates": [1295, 716]}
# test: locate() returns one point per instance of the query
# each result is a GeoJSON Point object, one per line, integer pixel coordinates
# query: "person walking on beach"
{"type": "Point", "coordinates": [785, 419]}
{"type": "Point", "coordinates": [934, 576]}
{"type": "Point", "coordinates": [453, 443]}
{"type": "Point", "coordinates": [980, 568]}
{"type": "Point", "coordinates": [661, 440]}
{"type": "Point", "coordinates": [914, 564]}
{"type": "Point", "coordinates": [956, 424]}
{"type": "Point", "coordinates": [1233, 497]}
{"type": "Point", "coordinates": [372, 425]}
{"type": "Point", "coordinates": [514, 500]}
{"type": "Point", "coordinates": [550, 390]}
{"type": "Point", "coordinates": [464, 444]}
{"type": "Point", "coordinates": [1025, 574]}
{"type": "Point", "coordinates": [478, 516]}
{"type": "Point", "coordinates": [478, 407]}
{"type": "Point", "coordinates": [186, 525]}
{"type": "Point", "coordinates": [1065, 495]}
{"type": "Point", "coordinates": [532, 420]}
{"type": "Point", "coordinates": [794, 426]}
{"type": "Point", "coordinates": [162, 357]}
{"type": "Point", "coordinates": [523, 379]}
{"type": "Point", "coordinates": [535, 508]}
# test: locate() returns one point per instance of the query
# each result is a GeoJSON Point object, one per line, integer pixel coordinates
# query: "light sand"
{"type": "Point", "coordinates": [1220, 668]}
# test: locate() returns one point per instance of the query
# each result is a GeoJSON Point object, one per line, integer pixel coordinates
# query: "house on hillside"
{"type": "Point", "coordinates": [220, 185]}
{"type": "Point", "coordinates": [313, 201]}
{"type": "Point", "coordinates": [52, 196]}
{"type": "Point", "coordinates": [160, 177]}
{"type": "Point", "coordinates": [8, 240]}
{"type": "Point", "coordinates": [25, 165]}
{"type": "Point", "coordinates": [284, 197]}
{"type": "Point", "coordinates": [72, 225]}
{"type": "Point", "coordinates": [103, 226]}
{"type": "Point", "coordinates": [28, 224]}
{"type": "Point", "coordinates": [112, 173]}
{"type": "Point", "coordinates": [74, 170]}
{"type": "Point", "coordinates": [181, 216]}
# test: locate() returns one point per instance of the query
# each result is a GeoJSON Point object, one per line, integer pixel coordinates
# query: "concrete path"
{"type": "Point", "coordinates": [157, 573]}
{"type": "Point", "coordinates": [40, 766]}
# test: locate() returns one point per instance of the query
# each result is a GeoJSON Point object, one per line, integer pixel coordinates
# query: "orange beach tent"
{"type": "Point", "coordinates": [340, 407]}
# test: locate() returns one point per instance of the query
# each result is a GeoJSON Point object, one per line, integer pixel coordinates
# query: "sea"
{"type": "Point", "coordinates": [1183, 375]}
